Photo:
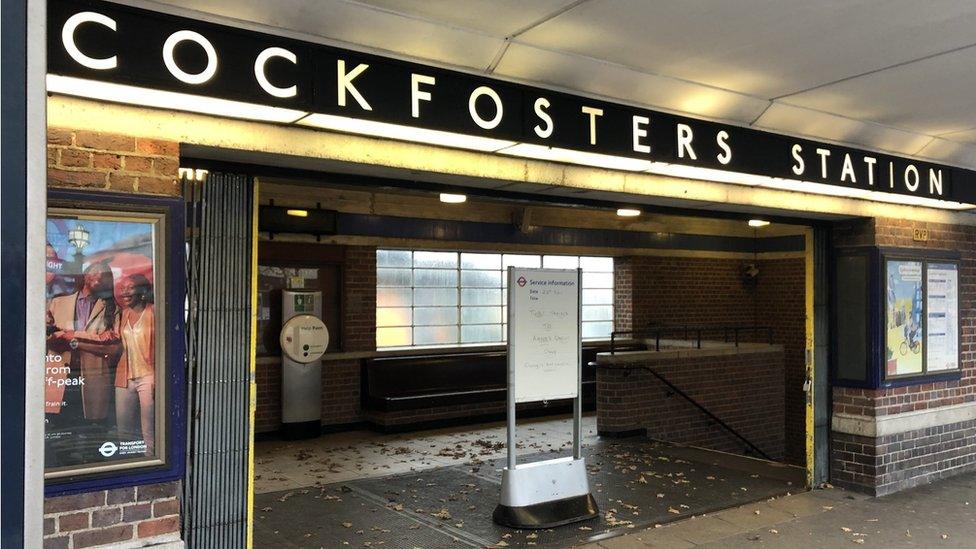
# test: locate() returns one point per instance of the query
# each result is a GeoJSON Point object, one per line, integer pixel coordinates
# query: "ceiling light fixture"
{"type": "Point", "coordinates": [628, 212]}
{"type": "Point", "coordinates": [132, 95]}
{"type": "Point", "coordinates": [404, 133]}
{"type": "Point", "coordinates": [541, 152]}
{"type": "Point", "coordinates": [449, 198]}
{"type": "Point", "coordinates": [297, 213]}
{"type": "Point", "coordinates": [800, 186]}
{"type": "Point", "coordinates": [757, 223]}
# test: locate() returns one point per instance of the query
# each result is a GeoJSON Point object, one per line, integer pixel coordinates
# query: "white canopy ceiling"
{"type": "Point", "coordinates": [893, 75]}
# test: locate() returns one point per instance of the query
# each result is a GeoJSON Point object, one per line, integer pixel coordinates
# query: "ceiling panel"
{"type": "Point", "coordinates": [362, 25]}
{"type": "Point", "coordinates": [595, 77]}
{"type": "Point", "coordinates": [497, 17]}
{"type": "Point", "coordinates": [950, 152]}
{"type": "Point", "coordinates": [965, 136]}
{"type": "Point", "coordinates": [934, 96]}
{"type": "Point", "coordinates": [790, 119]}
{"type": "Point", "coordinates": [763, 47]}
{"type": "Point", "coordinates": [715, 59]}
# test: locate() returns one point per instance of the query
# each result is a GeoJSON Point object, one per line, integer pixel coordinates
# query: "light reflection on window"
{"type": "Point", "coordinates": [436, 298]}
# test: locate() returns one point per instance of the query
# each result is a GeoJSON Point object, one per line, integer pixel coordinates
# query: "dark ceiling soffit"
{"type": "Point", "coordinates": [368, 183]}
{"type": "Point", "coordinates": [470, 231]}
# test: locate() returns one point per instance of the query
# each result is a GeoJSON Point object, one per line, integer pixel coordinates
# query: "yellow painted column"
{"type": "Point", "coordinates": [252, 385]}
{"type": "Point", "coordinates": [809, 423]}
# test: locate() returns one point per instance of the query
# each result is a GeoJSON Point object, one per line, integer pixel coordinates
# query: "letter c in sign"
{"type": "Point", "coordinates": [68, 39]}
{"type": "Point", "coordinates": [262, 78]}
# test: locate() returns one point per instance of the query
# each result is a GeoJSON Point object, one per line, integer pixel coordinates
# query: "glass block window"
{"type": "Point", "coordinates": [435, 298]}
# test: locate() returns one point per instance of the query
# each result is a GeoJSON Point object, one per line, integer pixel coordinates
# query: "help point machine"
{"type": "Point", "coordinates": [304, 339]}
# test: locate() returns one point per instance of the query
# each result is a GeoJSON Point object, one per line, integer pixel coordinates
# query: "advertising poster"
{"type": "Point", "coordinates": [942, 335]}
{"type": "Point", "coordinates": [101, 384]}
{"type": "Point", "coordinates": [904, 307]}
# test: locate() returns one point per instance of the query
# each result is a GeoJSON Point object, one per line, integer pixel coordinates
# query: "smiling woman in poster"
{"type": "Point", "coordinates": [135, 378]}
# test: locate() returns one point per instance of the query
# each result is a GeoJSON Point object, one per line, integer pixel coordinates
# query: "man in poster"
{"type": "Point", "coordinates": [79, 376]}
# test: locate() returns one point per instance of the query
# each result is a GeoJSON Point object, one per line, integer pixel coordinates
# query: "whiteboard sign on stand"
{"type": "Point", "coordinates": [544, 363]}
{"type": "Point", "coordinates": [544, 334]}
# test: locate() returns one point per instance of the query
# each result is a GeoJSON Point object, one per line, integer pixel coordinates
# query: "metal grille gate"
{"type": "Point", "coordinates": [219, 333]}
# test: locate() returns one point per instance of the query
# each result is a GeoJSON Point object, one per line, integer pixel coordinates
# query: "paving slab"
{"type": "Point", "coordinates": [637, 483]}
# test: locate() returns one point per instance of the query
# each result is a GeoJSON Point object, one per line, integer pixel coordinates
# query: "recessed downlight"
{"type": "Point", "coordinates": [450, 198]}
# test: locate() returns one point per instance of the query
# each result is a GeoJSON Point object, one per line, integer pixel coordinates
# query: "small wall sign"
{"type": "Point", "coordinates": [920, 235]}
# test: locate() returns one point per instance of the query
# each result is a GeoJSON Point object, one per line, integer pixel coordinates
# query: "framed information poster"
{"type": "Point", "coordinates": [896, 317]}
{"type": "Point", "coordinates": [942, 326]}
{"type": "Point", "coordinates": [114, 410]}
{"type": "Point", "coordinates": [544, 333]}
{"type": "Point", "coordinates": [904, 312]}
{"type": "Point", "coordinates": [106, 338]}
{"type": "Point", "coordinates": [921, 317]}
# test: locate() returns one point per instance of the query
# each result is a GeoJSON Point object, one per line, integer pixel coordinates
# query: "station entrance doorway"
{"type": "Point", "coordinates": [697, 359]}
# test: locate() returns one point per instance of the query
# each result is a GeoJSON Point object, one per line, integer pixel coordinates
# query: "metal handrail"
{"type": "Point", "coordinates": [708, 413]}
{"type": "Point", "coordinates": [730, 334]}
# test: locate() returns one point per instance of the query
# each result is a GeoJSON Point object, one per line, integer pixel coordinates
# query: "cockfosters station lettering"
{"type": "Point", "coordinates": [109, 43]}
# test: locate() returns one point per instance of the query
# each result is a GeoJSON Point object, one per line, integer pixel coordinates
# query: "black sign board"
{"type": "Point", "coordinates": [119, 44]}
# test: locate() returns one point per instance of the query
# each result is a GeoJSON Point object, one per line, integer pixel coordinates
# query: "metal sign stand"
{"type": "Point", "coordinates": [548, 493]}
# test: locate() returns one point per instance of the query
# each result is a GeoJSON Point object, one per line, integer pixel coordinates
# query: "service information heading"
{"type": "Point", "coordinates": [543, 334]}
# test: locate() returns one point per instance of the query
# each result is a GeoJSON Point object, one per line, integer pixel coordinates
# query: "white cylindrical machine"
{"type": "Point", "coordinates": [304, 339]}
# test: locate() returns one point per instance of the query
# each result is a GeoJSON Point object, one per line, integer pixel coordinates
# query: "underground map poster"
{"type": "Point", "coordinates": [101, 358]}
{"type": "Point", "coordinates": [904, 308]}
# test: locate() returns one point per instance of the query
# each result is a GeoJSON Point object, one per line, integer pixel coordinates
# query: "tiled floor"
{"type": "Point", "coordinates": [286, 465]}
{"type": "Point", "coordinates": [636, 483]}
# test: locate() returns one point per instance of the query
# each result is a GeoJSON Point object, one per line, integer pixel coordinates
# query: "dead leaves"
{"type": "Point", "coordinates": [443, 514]}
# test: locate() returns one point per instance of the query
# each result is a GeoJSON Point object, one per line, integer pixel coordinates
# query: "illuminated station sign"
{"type": "Point", "coordinates": [119, 53]}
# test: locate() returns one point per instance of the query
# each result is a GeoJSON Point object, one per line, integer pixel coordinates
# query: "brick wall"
{"type": "Point", "coordinates": [781, 305]}
{"type": "Point", "coordinates": [359, 299]}
{"type": "Point", "coordinates": [82, 159]}
{"type": "Point", "coordinates": [672, 291]}
{"type": "Point", "coordinates": [340, 394]}
{"type": "Point", "coordinates": [341, 379]}
{"type": "Point", "coordinates": [141, 515]}
{"type": "Point", "coordinates": [886, 464]}
{"type": "Point", "coordinates": [623, 302]}
{"type": "Point", "coordinates": [744, 389]}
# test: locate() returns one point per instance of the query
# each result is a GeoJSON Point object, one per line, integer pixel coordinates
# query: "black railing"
{"type": "Point", "coordinates": [707, 412]}
{"type": "Point", "coordinates": [729, 334]}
